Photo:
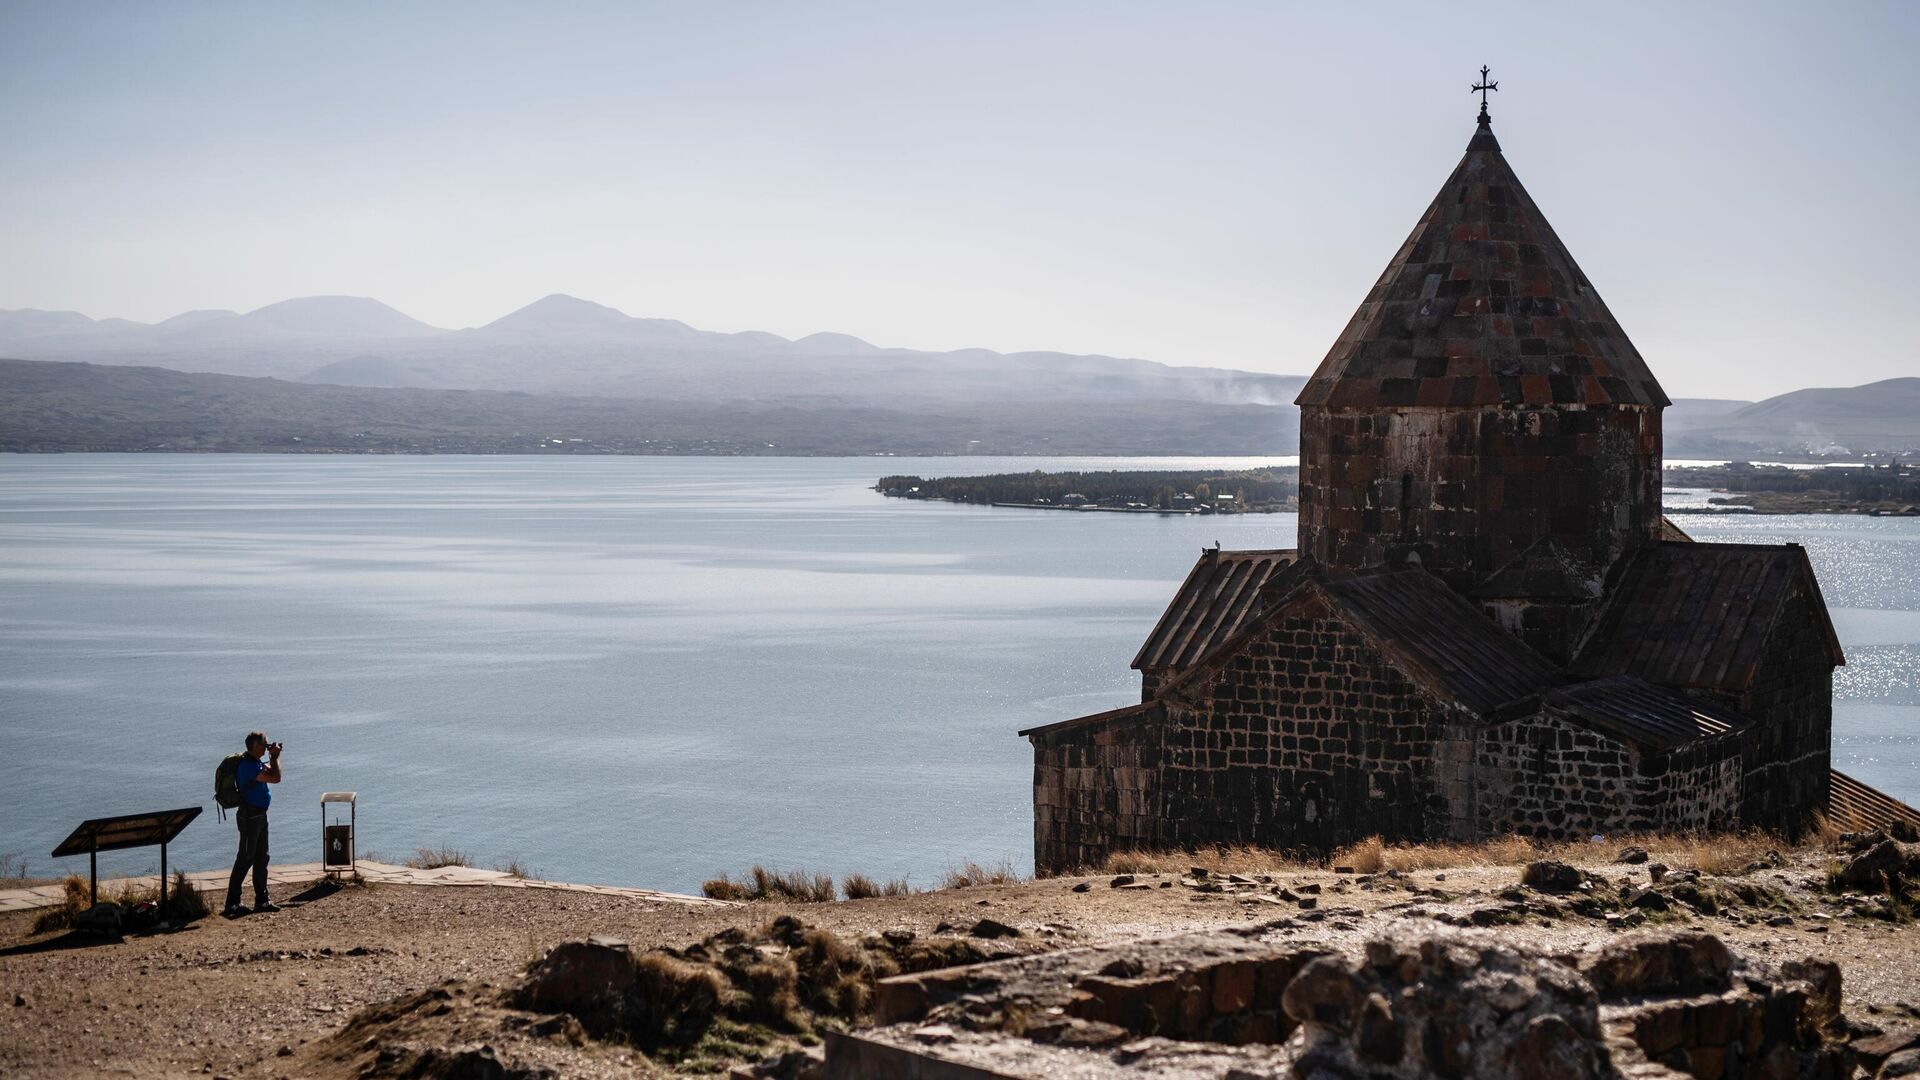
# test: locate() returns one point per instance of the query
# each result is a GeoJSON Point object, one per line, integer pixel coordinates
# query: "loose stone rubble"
{"type": "Point", "coordinates": [1456, 1003]}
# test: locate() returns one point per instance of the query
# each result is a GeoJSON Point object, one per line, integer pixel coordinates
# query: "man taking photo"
{"type": "Point", "coordinates": [253, 777]}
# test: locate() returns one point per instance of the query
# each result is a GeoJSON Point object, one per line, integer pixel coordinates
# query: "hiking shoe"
{"type": "Point", "coordinates": [267, 905]}
{"type": "Point", "coordinates": [235, 911]}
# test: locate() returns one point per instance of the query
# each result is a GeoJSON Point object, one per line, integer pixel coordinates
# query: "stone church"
{"type": "Point", "coordinates": [1487, 626]}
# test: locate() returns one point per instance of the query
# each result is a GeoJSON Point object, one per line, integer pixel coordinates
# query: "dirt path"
{"type": "Point", "coordinates": [225, 997]}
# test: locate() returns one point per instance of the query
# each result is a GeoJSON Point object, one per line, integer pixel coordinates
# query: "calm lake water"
{"type": "Point", "coordinates": [641, 671]}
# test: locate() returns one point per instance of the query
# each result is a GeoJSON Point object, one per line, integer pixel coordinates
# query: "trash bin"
{"type": "Point", "coordinates": [338, 813]}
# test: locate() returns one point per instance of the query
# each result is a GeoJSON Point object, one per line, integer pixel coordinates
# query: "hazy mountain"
{"type": "Point", "coordinates": [562, 345]}
{"type": "Point", "coordinates": [343, 317]}
{"type": "Point", "coordinates": [565, 345]}
{"type": "Point", "coordinates": [53, 406]}
{"type": "Point", "coordinates": [1694, 410]}
{"type": "Point", "coordinates": [187, 319]}
{"type": "Point", "coordinates": [1878, 416]}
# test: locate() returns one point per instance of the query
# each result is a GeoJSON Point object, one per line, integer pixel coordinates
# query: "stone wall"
{"type": "Point", "coordinates": [1788, 749]}
{"type": "Point", "coordinates": [1469, 489]}
{"type": "Point", "coordinates": [1305, 738]}
{"type": "Point", "coordinates": [1551, 777]}
{"type": "Point", "coordinates": [1547, 777]}
{"type": "Point", "coordinates": [1691, 788]}
{"type": "Point", "coordinates": [1096, 790]}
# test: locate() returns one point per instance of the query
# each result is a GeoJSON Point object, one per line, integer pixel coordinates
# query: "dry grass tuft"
{"type": "Point", "coordinates": [972, 873]}
{"type": "Point", "coordinates": [74, 899]}
{"type": "Point", "coordinates": [1228, 859]}
{"type": "Point", "coordinates": [184, 902]}
{"type": "Point", "coordinates": [518, 869]}
{"type": "Point", "coordinates": [1373, 855]}
{"type": "Point", "coordinates": [760, 883]}
{"type": "Point", "coordinates": [862, 887]}
{"type": "Point", "coordinates": [674, 1001]}
{"type": "Point", "coordinates": [794, 886]}
{"type": "Point", "coordinates": [431, 858]}
{"type": "Point", "coordinates": [1719, 853]}
{"type": "Point", "coordinates": [1824, 830]}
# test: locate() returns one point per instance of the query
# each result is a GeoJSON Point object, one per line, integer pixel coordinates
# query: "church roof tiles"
{"type": "Point", "coordinates": [1644, 714]}
{"type": "Point", "coordinates": [1483, 305]}
{"type": "Point", "coordinates": [1698, 616]}
{"type": "Point", "coordinates": [1448, 644]}
{"type": "Point", "coordinates": [1220, 594]}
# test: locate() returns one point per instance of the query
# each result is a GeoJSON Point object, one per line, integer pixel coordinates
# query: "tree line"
{"type": "Point", "coordinates": [1245, 490]}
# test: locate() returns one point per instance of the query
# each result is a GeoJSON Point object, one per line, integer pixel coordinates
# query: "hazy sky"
{"type": "Point", "coordinates": [1194, 183]}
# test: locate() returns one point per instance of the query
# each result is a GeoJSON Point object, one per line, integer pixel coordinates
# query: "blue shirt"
{"type": "Point", "coordinates": [254, 793]}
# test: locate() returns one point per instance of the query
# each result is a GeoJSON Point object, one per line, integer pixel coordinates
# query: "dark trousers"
{"type": "Point", "coordinates": [252, 855]}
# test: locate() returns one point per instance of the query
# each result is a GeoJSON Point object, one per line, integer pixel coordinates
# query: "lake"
{"type": "Point", "coordinates": [641, 670]}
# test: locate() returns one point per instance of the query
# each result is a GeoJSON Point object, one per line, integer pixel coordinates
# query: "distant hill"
{"type": "Point", "coordinates": [58, 406]}
{"type": "Point", "coordinates": [569, 347]}
{"type": "Point", "coordinates": [565, 345]}
{"type": "Point", "coordinates": [1878, 416]}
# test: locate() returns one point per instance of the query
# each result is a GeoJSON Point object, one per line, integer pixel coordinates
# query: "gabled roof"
{"type": "Point", "coordinates": [1853, 805]}
{"type": "Point", "coordinates": [1545, 570]}
{"type": "Point", "coordinates": [1483, 305]}
{"type": "Point", "coordinates": [1670, 531]}
{"type": "Point", "coordinates": [1142, 711]}
{"type": "Point", "coordinates": [1697, 615]}
{"type": "Point", "coordinates": [1220, 594]}
{"type": "Point", "coordinates": [1446, 644]}
{"type": "Point", "coordinates": [1644, 714]}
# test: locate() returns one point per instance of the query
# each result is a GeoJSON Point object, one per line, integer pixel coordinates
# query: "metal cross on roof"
{"type": "Point", "coordinates": [1481, 88]}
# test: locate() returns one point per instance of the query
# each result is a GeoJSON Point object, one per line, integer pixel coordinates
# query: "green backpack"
{"type": "Point", "coordinates": [226, 783]}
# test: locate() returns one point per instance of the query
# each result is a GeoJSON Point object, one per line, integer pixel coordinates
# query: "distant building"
{"type": "Point", "coordinates": [1487, 626]}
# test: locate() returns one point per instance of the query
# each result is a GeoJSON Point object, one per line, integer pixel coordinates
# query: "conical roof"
{"type": "Point", "coordinates": [1482, 306]}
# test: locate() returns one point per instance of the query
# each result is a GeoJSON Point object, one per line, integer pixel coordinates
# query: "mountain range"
{"type": "Point", "coordinates": [563, 345]}
{"type": "Point", "coordinates": [656, 372]}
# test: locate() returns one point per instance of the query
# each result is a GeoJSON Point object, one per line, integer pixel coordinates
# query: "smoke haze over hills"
{"type": "Point", "coordinates": [350, 373]}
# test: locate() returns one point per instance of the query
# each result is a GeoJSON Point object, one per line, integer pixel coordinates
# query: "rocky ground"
{"type": "Point", "coordinates": [407, 981]}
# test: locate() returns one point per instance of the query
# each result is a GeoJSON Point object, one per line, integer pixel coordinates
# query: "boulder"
{"type": "Point", "coordinates": [1882, 866]}
{"type": "Point", "coordinates": [1632, 856]}
{"type": "Point", "coordinates": [1327, 993]}
{"type": "Point", "coordinates": [579, 977]}
{"type": "Point", "coordinates": [1651, 962]}
{"type": "Point", "coordinates": [1548, 875]}
{"type": "Point", "coordinates": [1450, 1006]}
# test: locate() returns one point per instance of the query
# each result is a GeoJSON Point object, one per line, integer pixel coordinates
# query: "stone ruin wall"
{"type": "Point", "coordinates": [1693, 788]}
{"type": "Point", "coordinates": [1788, 750]}
{"type": "Point", "coordinates": [1470, 489]}
{"type": "Point", "coordinates": [1305, 738]}
{"type": "Point", "coordinates": [1547, 777]}
{"type": "Point", "coordinates": [1096, 790]}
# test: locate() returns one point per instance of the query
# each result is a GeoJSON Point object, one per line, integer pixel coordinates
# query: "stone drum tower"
{"type": "Point", "coordinates": [1483, 415]}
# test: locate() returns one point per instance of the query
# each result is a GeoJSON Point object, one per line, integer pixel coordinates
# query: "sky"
{"type": "Point", "coordinates": [1196, 183]}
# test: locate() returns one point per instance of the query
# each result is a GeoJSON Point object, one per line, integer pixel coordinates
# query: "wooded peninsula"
{"type": "Point", "coordinates": [1215, 491]}
{"type": "Point", "coordinates": [1892, 488]}
{"type": "Point", "coordinates": [1889, 489]}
